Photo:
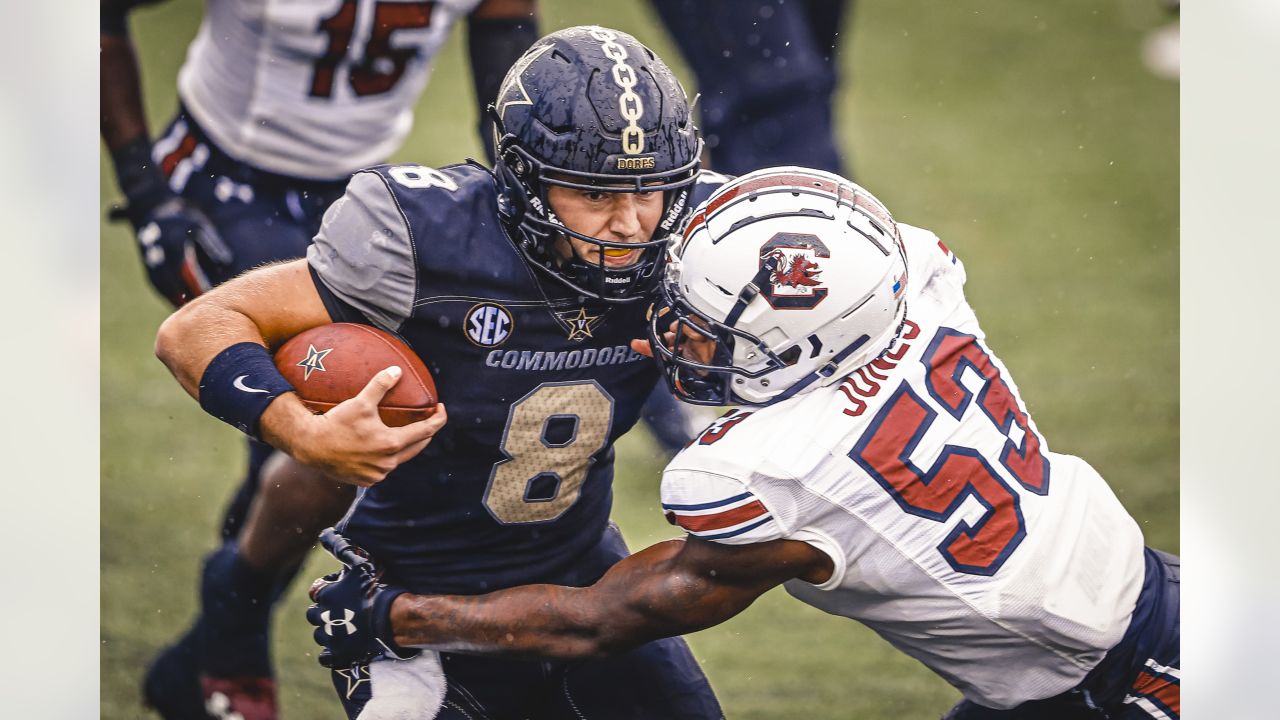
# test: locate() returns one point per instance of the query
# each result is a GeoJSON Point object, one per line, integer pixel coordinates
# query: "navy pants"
{"type": "Point", "coordinates": [1139, 679]}
{"type": "Point", "coordinates": [766, 72]}
{"type": "Point", "coordinates": [261, 216]}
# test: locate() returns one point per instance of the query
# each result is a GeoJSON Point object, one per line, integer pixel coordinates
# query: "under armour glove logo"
{"type": "Point", "coordinates": [356, 593]}
{"type": "Point", "coordinates": [344, 622]}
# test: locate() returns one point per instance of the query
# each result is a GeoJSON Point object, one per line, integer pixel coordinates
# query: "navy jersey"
{"type": "Point", "coordinates": [517, 487]}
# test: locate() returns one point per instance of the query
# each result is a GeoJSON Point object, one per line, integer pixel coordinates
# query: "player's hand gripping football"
{"type": "Point", "coordinates": [352, 610]}
{"type": "Point", "coordinates": [351, 443]}
{"type": "Point", "coordinates": [174, 238]}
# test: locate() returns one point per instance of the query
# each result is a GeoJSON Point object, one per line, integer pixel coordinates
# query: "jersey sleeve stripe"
{"type": "Point", "coordinates": [1149, 690]}
{"type": "Point", "coordinates": [722, 520]}
{"type": "Point", "coordinates": [707, 505]}
{"type": "Point", "coordinates": [1157, 669]}
{"type": "Point", "coordinates": [735, 531]}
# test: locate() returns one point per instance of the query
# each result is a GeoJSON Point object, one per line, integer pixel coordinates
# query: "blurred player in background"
{"type": "Point", "coordinates": [520, 288]}
{"type": "Point", "coordinates": [766, 73]}
{"type": "Point", "coordinates": [280, 103]}
{"type": "Point", "coordinates": [883, 467]}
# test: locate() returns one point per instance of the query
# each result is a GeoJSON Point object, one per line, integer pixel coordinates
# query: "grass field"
{"type": "Point", "coordinates": [1026, 134]}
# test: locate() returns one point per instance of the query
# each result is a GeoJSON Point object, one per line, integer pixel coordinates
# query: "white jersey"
{"type": "Point", "coordinates": [313, 89]}
{"type": "Point", "coordinates": [955, 534]}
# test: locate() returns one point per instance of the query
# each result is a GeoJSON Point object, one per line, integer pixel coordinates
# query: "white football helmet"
{"type": "Point", "coordinates": [798, 276]}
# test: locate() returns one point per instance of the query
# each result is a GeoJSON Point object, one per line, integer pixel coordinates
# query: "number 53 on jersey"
{"type": "Point", "coordinates": [887, 451]}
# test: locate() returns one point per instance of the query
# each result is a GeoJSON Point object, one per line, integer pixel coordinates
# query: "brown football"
{"type": "Point", "coordinates": [332, 363]}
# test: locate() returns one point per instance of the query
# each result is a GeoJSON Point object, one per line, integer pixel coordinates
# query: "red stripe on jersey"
{"type": "Point", "coordinates": [728, 518]}
{"type": "Point", "coordinates": [1166, 691]}
{"type": "Point", "coordinates": [185, 148]}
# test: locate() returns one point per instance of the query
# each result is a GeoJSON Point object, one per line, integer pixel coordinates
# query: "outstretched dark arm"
{"type": "Point", "coordinates": [672, 588]}
{"type": "Point", "coordinates": [121, 115]}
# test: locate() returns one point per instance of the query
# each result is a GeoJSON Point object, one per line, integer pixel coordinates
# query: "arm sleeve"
{"type": "Point", "coordinates": [494, 45]}
{"type": "Point", "coordinates": [113, 15]}
{"type": "Point", "coordinates": [364, 253]}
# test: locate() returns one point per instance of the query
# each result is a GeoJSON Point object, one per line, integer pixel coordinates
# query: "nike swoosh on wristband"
{"type": "Point", "coordinates": [239, 385]}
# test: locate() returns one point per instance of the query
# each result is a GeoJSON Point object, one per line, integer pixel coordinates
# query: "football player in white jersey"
{"type": "Point", "coordinates": [280, 102]}
{"type": "Point", "coordinates": [882, 467]}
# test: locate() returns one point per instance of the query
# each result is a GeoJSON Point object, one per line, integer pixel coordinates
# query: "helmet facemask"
{"type": "Point", "coordinates": [787, 280]}
{"type": "Point", "coordinates": [699, 359]}
{"type": "Point", "coordinates": [592, 109]}
{"type": "Point", "coordinates": [541, 229]}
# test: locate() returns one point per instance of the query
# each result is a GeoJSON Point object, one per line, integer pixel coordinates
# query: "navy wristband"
{"type": "Point", "coordinates": [239, 384]}
{"type": "Point", "coordinates": [380, 615]}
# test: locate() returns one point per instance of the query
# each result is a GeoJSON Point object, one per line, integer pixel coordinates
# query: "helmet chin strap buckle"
{"type": "Point", "coordinates": [750, 291]}
{"type": "Point", "coordinates": [505, 209]}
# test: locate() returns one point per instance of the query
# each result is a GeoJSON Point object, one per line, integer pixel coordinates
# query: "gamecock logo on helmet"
{"type": "Point", "coordinates": [795, 283]}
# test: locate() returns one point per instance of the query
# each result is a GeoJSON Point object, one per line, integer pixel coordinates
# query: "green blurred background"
{"type": "Point", "coordinates": [1027, 134]}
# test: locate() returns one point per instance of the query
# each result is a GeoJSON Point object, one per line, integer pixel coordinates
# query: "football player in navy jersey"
{"type": "Point", "coordinates": [279, 104]}
{"type": "Point", "coordinates": [521, 289]}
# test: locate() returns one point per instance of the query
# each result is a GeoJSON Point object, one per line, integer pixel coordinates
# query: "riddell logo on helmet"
{"type": "Point", "coordinates": [629, 104]}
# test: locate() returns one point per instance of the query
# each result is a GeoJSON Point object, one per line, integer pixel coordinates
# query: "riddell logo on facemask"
{"type": "Point", "coordinates": [677, 209]}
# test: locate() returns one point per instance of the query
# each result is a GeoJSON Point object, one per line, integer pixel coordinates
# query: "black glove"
{"type": "Point", "coordinates": [352, 610]}
{"type": "Point", "coordinates": [174, 236]}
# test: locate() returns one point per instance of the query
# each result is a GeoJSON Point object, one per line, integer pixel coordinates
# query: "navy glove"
{"type": "Point", "coordinates": [352, 610]}
{"type": "Point", "coordinates": [174, 236]}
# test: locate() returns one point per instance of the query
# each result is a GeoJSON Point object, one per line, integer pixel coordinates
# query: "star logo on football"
{"type": "Point", "coordinates": [579, 323]}
{"type": "Point", "coordinates": [313, 361]}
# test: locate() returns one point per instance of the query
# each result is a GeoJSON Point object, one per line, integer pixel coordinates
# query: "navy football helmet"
{"type": "Point", "coordinates": [593, 109]}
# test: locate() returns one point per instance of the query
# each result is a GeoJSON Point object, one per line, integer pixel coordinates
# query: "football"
{"type": "Point", "coordinates": [332, 363]}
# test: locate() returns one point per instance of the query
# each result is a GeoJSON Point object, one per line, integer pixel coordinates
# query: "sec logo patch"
{"type": "Point", "coordinates": [488, 325]}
